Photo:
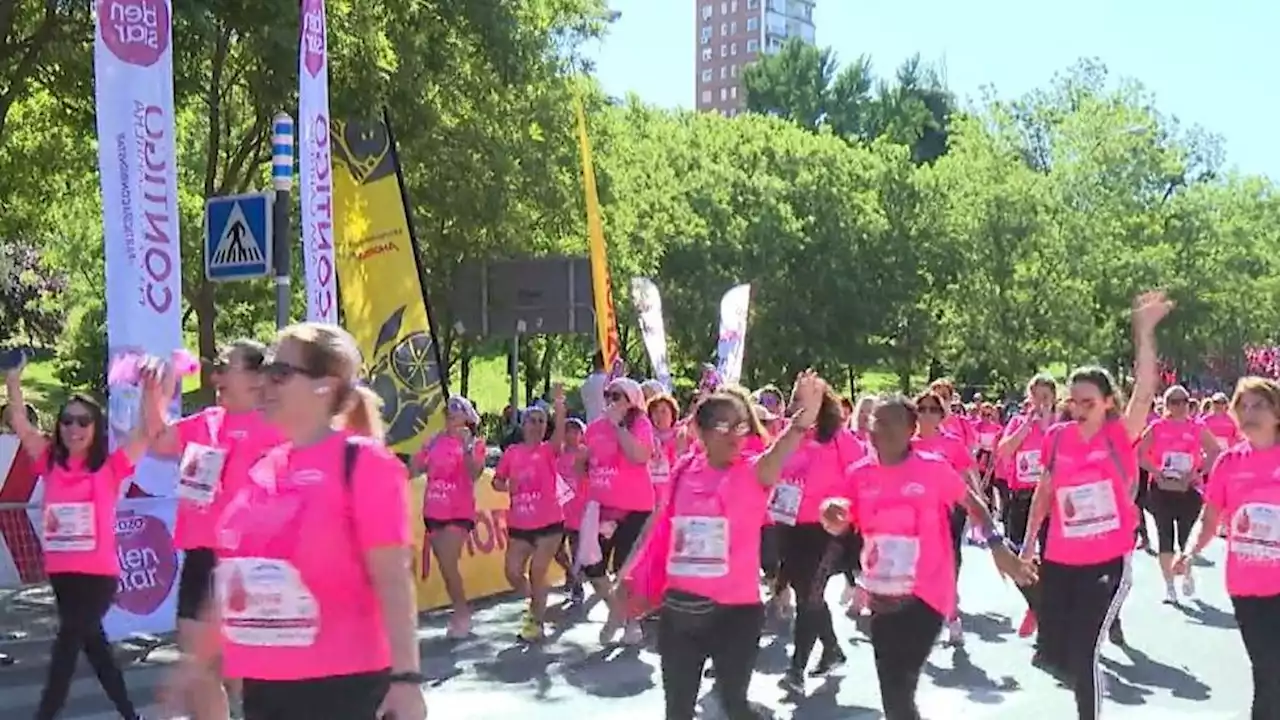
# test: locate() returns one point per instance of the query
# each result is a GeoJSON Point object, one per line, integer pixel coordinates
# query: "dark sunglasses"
{"type": "Point", "coordinates": [1176, 401]}
{"type": "Point", "coordinates": [614, 396]}
{"type": "Point", "coordinates": [535, 420]}
{"type": "Point", "coordinates": [75, 419]}
{"type": "Point", "coordinates": [281, 372]}
{"type": "Point", "coordinates": [930, 409]}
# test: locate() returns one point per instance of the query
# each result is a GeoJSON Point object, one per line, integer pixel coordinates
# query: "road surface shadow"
{"type": "Point", "coordinates": [614, 672]}
{"type": "Point", "coordinates": [989, 627]}
{"type": "Point", "coordinates": [1208, 615]}
{"type": "Point", "coordinates": [1148, 673]}
{"type": "Point", "coordinates": [963, 674]}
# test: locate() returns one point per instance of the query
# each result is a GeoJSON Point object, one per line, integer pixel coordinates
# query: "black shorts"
{"type": "Point", "coordinates": [532, 535]}
{"type": "Point", "coordinates": [195, 585]}
{"type": "Point", "coordinates": [434, 525]}
{"type": "Point", "coordinates": [617, 548]}
{"type": "Point", "coordinates": [344, 697]}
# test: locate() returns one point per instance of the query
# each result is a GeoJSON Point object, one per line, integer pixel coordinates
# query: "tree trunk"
{"type": "Point", "coordinates": [205, 314]}
{"type": "Point", "coordinates": [464, 371]}
{"type": "Point", "coordinates": [548, 350]}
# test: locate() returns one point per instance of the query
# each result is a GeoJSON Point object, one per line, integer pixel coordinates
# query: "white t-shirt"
{"type": "Point", "coordinates": [593, 394]}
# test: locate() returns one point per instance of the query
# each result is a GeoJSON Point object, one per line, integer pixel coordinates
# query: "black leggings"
{"type": "Point", "coordinates": [810, 555]}
{"type": "Point", "coordinates": [1176, 512]}
{"type": "Point", "coordinates": [1259, 621]}
{"type": "Point", "coordinates": [616, 548]}
{"type": "Point", "coordinates": [345, 697]}
{"type": "Point", "coordinates": [1017, 512]}
{"type": "Point", "coordinates": [693, 629]}
{"type": "Point", "coordinates": [82, 600]}
{"type": "Point", "coordinates": [1078, 605]}
{"type": "Point", "coordinates": [1143, 501]}
{"type": "Point", "coordinates": [902, 640]}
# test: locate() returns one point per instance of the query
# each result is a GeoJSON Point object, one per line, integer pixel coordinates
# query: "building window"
{"type": "Point", "coordinates": [733, 93]}
{"type": "Point", "coordinates": [733, 6]}
{"type": "Point", "coordinates": [753, 24]}
{"type": "Point", "coordinates": [706, 54]}
{"type": "Point", "coordinates": [753, 46]}
{"type": "Point", "coordinates": [724, 50]}
{"type": "Point", "coordinates": [724, 94]}
{"type": "Point", "coordinates": [733, 28]}
{"type": "Point", "coordinates": [706, 96]}
{"type": "Point", "coordinates": [753, 4]}
{"type": "Point", "coordinates": [724, 8]}
{"type": "Point", "coordinates": [733, 49]}
{"type": "Point", "coordinates": [706, 34]}
{"type": "Point", "coordinates": [706, 12]}
{"type": "Point", "coordinates": [733, 71]}
{"type": "Point", "coordinates": [733, 112]}
{"type": "Point", "coordinates": [724, 72]}
{"type": "Point", "coordinates": [706, 75]}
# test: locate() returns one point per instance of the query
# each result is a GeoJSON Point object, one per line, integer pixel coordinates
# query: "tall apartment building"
{"type": "Point", "coordinates": [733, 33]}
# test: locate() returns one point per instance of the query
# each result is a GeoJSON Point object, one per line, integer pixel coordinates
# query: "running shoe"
{"type": "Point", "coordinates": [792, 682]}
{"type": "Point", "coordinates": [1170, 594]}
{"type": "Point", "coordinates": [1028, 626]}
{"type": "Point", "coordinates": [955, 633]}
{"type": "Point", "coordinates": [632, 634]}
{"type": "Point", "coordinates": [1188, 586]}
{"type": "Point", "coordinates": [531, 630]}
{"type": "Point", "coordinates": [830, 660]}
{"type": "Point", "coordinates": [459, 626]}
{"type": "Point", "coordinates": [577, 595]}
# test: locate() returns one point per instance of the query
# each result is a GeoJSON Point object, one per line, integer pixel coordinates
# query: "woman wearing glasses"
{"type": "Point", "coordinates": [215, 447]}
{"type": "Point", "coordinates": [453, 461]}
{"type": "Point", "coordinates": [82, 482]}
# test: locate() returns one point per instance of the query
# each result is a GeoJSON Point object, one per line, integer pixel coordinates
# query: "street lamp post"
{"type": "Point", "coordinates": [282, 180]}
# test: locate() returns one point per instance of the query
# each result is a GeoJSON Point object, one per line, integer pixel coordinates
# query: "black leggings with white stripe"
{"type": "Point", "coordinates": [1078, 605]}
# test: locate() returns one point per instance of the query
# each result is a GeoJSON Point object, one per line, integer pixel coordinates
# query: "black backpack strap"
{"type": "Point", "coordinates": [350, 452]}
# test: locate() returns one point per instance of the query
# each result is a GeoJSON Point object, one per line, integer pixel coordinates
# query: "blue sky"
{"type": "Point", "coordinates": [1211, 64]}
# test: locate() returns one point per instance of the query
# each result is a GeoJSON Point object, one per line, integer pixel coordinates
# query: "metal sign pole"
{"type": "Point", "coordinates": [282, 180]}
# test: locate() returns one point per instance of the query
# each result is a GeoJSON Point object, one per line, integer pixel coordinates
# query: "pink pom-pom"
{"type": "Point", "coordinates": [184, 363]}
{"type": "Point", "coordinates": [123, 369]}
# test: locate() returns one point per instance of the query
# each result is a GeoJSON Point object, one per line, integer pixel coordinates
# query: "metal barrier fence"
{"type": "Point", "coordinates": [27, 610]}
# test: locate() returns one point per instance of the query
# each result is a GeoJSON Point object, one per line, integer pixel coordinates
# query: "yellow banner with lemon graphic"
{"type": "Point", "coordinates": [383, 303]}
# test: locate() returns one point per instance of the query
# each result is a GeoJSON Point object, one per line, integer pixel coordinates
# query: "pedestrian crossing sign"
{"type": "Point", "coordinates": [237, 237]}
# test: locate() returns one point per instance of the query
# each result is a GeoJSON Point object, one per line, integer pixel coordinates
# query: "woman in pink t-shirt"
{"type": "Point", "coordinates": [860, 423]}
{"type": "Point", "coordinates": [1087, 495]}
{"type": "Point", "coordinates": [1243, 493]}
{"type": "Point", "coordinates": [313, 593]}
{"type": "Point", "coordinates": [215, 447]}
{"type": "Point", "coordinates": [571, 464]}
{"type": "Point", "coordinates": [810, 556]}
{"type": "Point", "coordinates": [1175, 450]}
{"type": "Point", "coordinates": [83, 480]}
{"type": "Point", "coordinates": [619, 447]}
{"type": "Point", "coordinates": [528, 473]}
{"type": "Point", "coordinates": [901, 499]}
{"type": "Point", "coordinates": [711, 607]}
{"type": "Point", "coordinates": [1218, 420]}
{"type": "Point", "coordinates": [668, 442]}
{"type": "Point", "coordinates": [453, 461]}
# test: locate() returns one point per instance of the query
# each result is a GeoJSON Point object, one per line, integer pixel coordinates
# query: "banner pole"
{"type": "Point", "coordinates": [282, 180]}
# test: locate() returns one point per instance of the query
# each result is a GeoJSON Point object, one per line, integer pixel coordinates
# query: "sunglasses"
{"type": "Point", "coordinates": [1176, 401]}
{"type": "Point", "coordinates": [535, 420]}
{"type": "Point", "coordinates": [737, 429]}
{"type": "Point", "coordinates": [281, 372]}
{"type": "Point", "coordinates": [614, 396]}
{"type": "Point", "coordinates": [930, 409]}
{"type": "Point", "coordinates": [75, 420]}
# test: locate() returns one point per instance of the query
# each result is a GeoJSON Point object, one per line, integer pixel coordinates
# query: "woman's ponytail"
{"type": "Point", "coordinates": [363, 414]}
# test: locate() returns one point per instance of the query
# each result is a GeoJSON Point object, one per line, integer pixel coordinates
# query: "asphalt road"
{"type": "Point", "coordinates": [1186, 663]}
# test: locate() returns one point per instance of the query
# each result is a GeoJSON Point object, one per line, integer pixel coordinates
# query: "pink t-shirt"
{"type": "Point", "coordinates": [960, 426]}
{"type": "Point", "coordinates": [988, 433]}
{"type": "Point", "coordinates": [715, 532]}
{"type": "Point", "coordinates": [615, 481]}
{"type": "Point", "coordinates": [1244, 486]}
{"type": "Point", "coordinates": [451, 491]}
{"type": "Point", "coordinates": [1223, 428]}
{"type": "Point", "coordinates": [949, 446]}
{"type": "Point", "coordinates": [530, 471]}
{"type": "Point", "coordinates": [566, 464]}
{"type": "Point", "coordinates": [810, 476]}
{"type": "Point", "coordinates": [903, 512]}
{"type": "Point", "coordinates": [1175, 445]}
{"type": "Point", "coordinates": [79, 515]}
{"type": "Point", "coordinates": [242, 438]}
{"type": "Point", "coordinates": [294, 595]}
{"type": "Point", "coordinates": [1024, 467]}
{"type": "Point", "coordinates": [1093, 517]}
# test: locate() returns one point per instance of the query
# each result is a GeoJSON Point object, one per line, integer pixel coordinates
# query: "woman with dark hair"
{"type": "Point", "coordinates": [1087, 496]}
{"type": "Point", "coordinates": [809, 554]}
{"type": "Point", "coordinates": [82, 482]}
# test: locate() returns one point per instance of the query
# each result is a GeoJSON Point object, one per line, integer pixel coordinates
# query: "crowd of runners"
{"type": "Point", "coordinates": [296, 593]}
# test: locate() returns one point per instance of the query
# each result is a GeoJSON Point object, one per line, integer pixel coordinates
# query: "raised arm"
{"type": "Point", "coordinates": [33, 441]}
{"type": "Point", "coordinates": [1148, 310]}
{"type": "Point", "coordinates": [807, 396]}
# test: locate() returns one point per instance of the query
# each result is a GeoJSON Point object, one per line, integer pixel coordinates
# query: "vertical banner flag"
{"type": "Point", "coordinates": [733, 332]}
{"type": "Point", "coordinates": [315, 168]}
{"type": "Point", "coordinates": [601, 284]}
{"type": "Point", "coordinates": [648, 302]}
{"type": "Point", "coordinates": [383, 300]}
{"type": "Point", "coordinates": [133, 84]}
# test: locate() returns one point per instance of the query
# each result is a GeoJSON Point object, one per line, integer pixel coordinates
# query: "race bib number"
{"type": "Point", "coordinates": [699, 547]}
{"type": "Point", "coordinates": [1088, 510]}
{"type": "Point", "coordinates": [70, 527]}
{"type": "Point", "coordinates": [1255, 533]}
{"type": "Point", "coordinates": [784, 503]}
{"type": "Point", "coordinates": [889, 564]}
{"type": "Point", "coordinates": [659, 467]}
{"type": "Point", "coordinates": [1029, 467]}
{"type": "Point", "coordinates": [200, 473]}
{"type": "Point", "coordinates": [265, 604]}
{"type": "Point", "coordinates": [1176, 464]}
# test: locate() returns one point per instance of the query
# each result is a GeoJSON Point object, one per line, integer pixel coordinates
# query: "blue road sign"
{"type": "Point", "coordinates": [237, 237]}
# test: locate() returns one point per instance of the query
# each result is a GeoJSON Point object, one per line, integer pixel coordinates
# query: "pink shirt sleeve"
{"type": "Point", "coordinates": [1215, 491]}
{"type": "Point", "coordinates": [190, 429]}
{"type": "Point", "coordinates": [380, 499]}
{"type": "Point", "coordinates": [952, 488]}
{"type": "Point", "coordinates": [961, 457]}
{"type": "Point", "coordinates": [643, 431]}
{"type": "Point", "coordinates": [116, 470]}
{"type": "Point", "coordinates": [504, 463]}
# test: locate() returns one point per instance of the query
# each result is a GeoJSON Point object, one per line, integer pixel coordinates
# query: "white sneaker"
{"type": "Point", "coordinates": [1188, 586]}
{"type": "Point", "coordinates": [633, 634]}
{"type": "Point", "coordinates": [955, 633]}
{"type": "Point", "coordinates": [1170, 595]}
{"type": "Point", "coordinates": [847, 596]}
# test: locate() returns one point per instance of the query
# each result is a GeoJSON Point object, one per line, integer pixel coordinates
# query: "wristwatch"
{"type": "Point", "coordinates": [994, 539]}
{"type": "Point", "coordinates": [407, 678]}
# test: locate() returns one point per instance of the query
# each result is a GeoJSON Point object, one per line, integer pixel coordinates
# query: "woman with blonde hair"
{"type": "Point", "coordinates": [314, 596]}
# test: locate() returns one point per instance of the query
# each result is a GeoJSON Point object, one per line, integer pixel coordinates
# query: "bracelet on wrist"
{"type": "Point", "coordinates": [407, 678]}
